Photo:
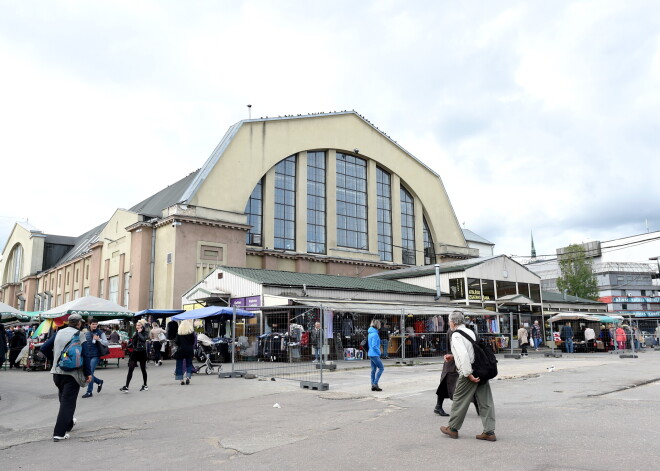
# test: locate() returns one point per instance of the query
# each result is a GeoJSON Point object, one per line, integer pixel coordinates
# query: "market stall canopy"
{"type": "Point", "coordinates": [610, 319]}
{"type": "Point", "coordinates": [568, 316]}
{"type": "Point", "coordinates": [158, 312]}
{"type": "Point", "coordinates": [211, 311]}
{"type": "Point", "coordinates": [8, 313]}
{"type": "Point", "coordinates": [386, 308]}
{"type": "Point", "coordinates": [89, 306]}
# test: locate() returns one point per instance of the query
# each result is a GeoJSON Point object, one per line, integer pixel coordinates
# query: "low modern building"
{"type": "Point", "coordinates": [326, 194]}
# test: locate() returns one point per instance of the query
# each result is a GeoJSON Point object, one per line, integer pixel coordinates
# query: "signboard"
{"type": "Point", "coordinates": [250, 301]}
{"type": "Point", "coordinates": [639, 313]}
{"type": "Point", "coordinates": [632, 299]}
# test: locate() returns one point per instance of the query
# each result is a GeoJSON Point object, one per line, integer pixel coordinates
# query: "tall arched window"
{"type": "Point", "coordinates": [14, 267]}
{"type": "Point", "coordinates": [285, 204]}
{"type": "Point", "coordinates": [384, 210]}
{"type": "Point", "coordinates": [407, 228]}
{"type": "Point", "coordinates": [352, 202]}
{"type": "Point", "coordinates": [429, 248]}
{"type": "Point", "coordinates": [254, 210]}
{"type": "Point", "coordinates": [316, 202]}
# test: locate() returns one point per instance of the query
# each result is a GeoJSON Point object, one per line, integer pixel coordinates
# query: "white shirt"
{"type": "Point", "coordinates": [589, 334]}
{"type": "Point", "coordinates": [463, 351]}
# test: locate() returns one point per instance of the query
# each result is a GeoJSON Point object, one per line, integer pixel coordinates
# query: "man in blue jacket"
{"type": "Point", "coordinates": [377, 367]}
{"type": "Point", "coordinates": [68, 382]}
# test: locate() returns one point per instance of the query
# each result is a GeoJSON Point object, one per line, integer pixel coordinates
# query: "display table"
{"type": "Point", "coordinates": [116, 352]}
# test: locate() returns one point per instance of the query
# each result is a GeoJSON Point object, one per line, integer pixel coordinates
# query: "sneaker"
{"type": "Point", "coordinates": [160, 362]}
{"type": "Point", "coordinates": [488, 436]}
{"type": "Point", "coordinates": [59, 439]}
{"type": "Point", "coordinates": [124, 389]}
{"type": "Point", "coordinates": [100, 386]}
{"type": "Point", "coordinates": [448, 431]}
{"type": "Point", "coordinates": [375, 387]}
{"type": "Point", "coordinates": [183, 383]}
{"type": "Point", "coordinates": [187, 380]}
{"type": "Point", "coordinates": [144, 388]}
{"type": "Point", "coordinates": [74, 424]}
{"type": "Point", "coordinates": [87, 394]}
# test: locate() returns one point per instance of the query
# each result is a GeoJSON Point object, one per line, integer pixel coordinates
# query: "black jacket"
{"type": "Point", "coordinates": [185, 345]}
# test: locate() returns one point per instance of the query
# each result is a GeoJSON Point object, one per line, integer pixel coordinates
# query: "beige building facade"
{"type": "Point", "coordinates": [325, 194]}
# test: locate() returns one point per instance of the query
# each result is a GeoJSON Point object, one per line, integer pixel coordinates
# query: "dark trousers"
{"type": "Point", "coordinates": [156, 345]}
{"type": "Point", "coordinates": [68, 389]}
{"type": "Point", "coordinates": [135, 358]}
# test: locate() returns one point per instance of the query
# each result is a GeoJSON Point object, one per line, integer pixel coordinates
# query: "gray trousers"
{"type": "Point", "coordinates": [465, 391]}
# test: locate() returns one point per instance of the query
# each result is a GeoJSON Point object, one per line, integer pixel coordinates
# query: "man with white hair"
{"type": "Point", "coordinates": [467, 386]}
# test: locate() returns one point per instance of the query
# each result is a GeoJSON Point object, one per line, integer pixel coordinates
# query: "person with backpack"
{"type": "Point", "coordinates": [463, 345]}
{"type": "Point", "coordinates": [67, 351]}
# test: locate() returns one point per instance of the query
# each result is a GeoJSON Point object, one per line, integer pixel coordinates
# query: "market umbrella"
{"type": "Point", "coordinates": [44, 327]}
{"type": "Point", "coordinates": [89, 306]}
{"type": "Point", "coordinates": [8, 313]}
{"type": "Point", "coordinates": [211, 311]}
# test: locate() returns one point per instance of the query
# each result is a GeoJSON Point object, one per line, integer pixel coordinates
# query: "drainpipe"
{"type": "Point", "coordinates": [437, 281]}
{"type": "Point", "coordinates": [152, 265]}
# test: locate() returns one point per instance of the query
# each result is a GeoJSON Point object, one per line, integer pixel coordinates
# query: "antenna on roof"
{"type": "Point", "coordinates": [249, 111]}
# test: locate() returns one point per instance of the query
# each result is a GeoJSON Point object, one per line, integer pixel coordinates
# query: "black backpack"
{"type": "Point", "coordinates": [484, 366]}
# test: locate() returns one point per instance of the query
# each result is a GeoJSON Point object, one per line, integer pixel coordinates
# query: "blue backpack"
{"type": "Point", "coordinates": [71, 357]}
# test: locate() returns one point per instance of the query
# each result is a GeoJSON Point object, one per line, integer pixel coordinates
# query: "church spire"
{"type": "Point", "coordinates": [533, 248]}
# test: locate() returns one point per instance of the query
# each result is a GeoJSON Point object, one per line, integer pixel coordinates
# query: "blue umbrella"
{"type": "Point", "coordinates": [211, 311]}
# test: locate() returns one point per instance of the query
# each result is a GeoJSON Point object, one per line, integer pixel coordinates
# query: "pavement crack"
{"type": "Point", "coordinates": [625, 388]}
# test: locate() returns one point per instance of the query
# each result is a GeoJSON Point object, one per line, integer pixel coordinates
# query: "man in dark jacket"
{"type": "Point", "coordinates": [68, 382]}
{"type": "Point", "coordinates": [93, 337]}
{"type": "Point", "coordinates": [3, 344]}
{"type": "Point", "coordinates": [16, 344]}
{"type": "Point", "coordinates": [566, 335]}
{"type": "Point", "coordinates": [384, 335]}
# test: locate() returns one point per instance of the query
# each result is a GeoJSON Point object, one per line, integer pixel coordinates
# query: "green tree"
{"type": "Point", "coordinates": [577, 275]}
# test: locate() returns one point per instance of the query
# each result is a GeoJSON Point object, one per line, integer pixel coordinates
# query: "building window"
{"type": "Point", "coordinates": [456, 288]}
{"type": "Point", "coordinates": [86, 291]}
{"type": "Point", "coordinates": [254, 212]}
{"type": "Point", "coordinates": [76, 294]}
{"type": "Point", "coordinates": [14, 266]}
{"type": "Point", "coordinates": [285, 204]}
{"type": "Point", "coordinates": [102, 288]}
{"type": "Point", "coordinates": [429, 247]}
{"type": "Point", "coordinates": [316, 202]}
{"type": "Point", "coordinates": [87, 272]}
{"type": "Point", "coordinates": [113, 289]}
{"type": "Point", "coordinates": [127, 279]}
{"type": "Point", "coordinates": [407, 228]}
{"type": "Point", "coordinates": [76, 280]}
{"type": "Point", "coordinates": [67, 278]}
{"type": "Point", "coordinates": [384, 210]}
{"type": "Point", "coordinates": [351, 202]}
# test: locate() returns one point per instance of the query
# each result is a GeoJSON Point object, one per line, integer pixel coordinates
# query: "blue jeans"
{"type": "Point", "coordinates": [384, 344]}
{"type": "Point", "coordinates": [537, 342]}
{"type": "Point", "coordinates": [93, 362]}
{"type": "Point", "coordinates": [376, 364]}
{"type": "Point", "coordinates": [569, 345]}
{"type": "Point", "coordinates": [178, 371]}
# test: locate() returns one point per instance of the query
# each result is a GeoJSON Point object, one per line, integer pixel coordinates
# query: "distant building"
{"type": "Point", "coordinates": [485, 247]}
{"type": "Point", "coordinates": [627, 280]}
{"type": "Point", "coordinates": [325, 193]}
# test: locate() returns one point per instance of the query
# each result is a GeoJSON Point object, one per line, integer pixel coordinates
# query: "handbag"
{"type": "Point", "coordinates": [162, 337]}
{"type": "Point", "coordinates": [102, 349]}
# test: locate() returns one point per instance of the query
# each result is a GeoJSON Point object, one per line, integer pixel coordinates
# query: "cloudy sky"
{"type": "Point", "coordinates": [539, 116]}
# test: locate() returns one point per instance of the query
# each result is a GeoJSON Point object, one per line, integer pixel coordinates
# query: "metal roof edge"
{"type": "Point", "coordinates": [211, 162]}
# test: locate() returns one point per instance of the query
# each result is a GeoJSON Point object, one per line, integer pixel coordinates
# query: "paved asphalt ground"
{"type": "Point", "coordinates": [592, 412]}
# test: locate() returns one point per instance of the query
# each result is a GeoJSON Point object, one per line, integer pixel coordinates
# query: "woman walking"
{"type": "Point", "coordinates": [377, 367]}
{"type": "Point", "coordinates": [138, 355]}
{"type": "Point", "coordinates": [158, 337]}
{"type": "Point", "coordinates": [185, 342]}
{"type": "Point", "coordinates": [523, 341]}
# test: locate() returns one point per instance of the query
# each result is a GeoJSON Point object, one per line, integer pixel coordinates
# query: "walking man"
{"type": "Point", "coordinates": [93, 336]}
{"type": "Point", "coordinates": [467, 386]}
{"type": "Point", "coordinates": [68, 382]}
